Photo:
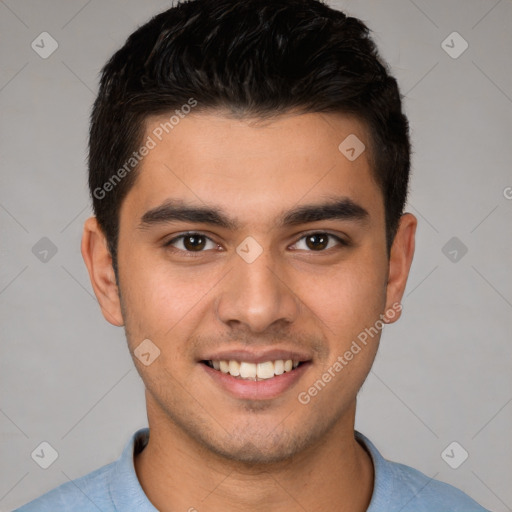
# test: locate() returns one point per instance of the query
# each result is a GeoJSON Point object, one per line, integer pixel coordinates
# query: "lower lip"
{"type": "Point", "coordinates": [265, 389]}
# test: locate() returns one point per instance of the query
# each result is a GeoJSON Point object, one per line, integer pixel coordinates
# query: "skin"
{"type": "Point", "coordinates": [207, 449]}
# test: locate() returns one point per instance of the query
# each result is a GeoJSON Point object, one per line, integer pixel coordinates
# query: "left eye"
{"type": "Point", "coordinates": [319, 241]}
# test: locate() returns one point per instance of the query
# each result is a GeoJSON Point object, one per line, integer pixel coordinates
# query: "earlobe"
{"type": "Point", "coordinates": [400, 260]}
{"type": "Point", "coordinates": [98, 260]}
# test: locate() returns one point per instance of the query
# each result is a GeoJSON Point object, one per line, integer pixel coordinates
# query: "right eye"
{"type": "Point", "coordinates": [191, 242]}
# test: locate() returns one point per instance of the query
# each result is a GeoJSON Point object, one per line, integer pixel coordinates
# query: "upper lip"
{"type": "Point", "coordinates": [256, 356]}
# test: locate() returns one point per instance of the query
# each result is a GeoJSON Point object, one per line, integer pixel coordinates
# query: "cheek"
{"type": "Point", "coordinates": [161, 302]}
{"type": "Point", "coordinates": [349, 303]}
{"type": "Point", "coordinates": [350, 297]}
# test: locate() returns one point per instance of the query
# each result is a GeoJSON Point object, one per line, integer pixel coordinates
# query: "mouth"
{"type": "Point", "coordinates": [247, 376]}
{"type": "Point", "coordinates": [245, 370]}
{"type": "Point", "coordinates": [263, 374]}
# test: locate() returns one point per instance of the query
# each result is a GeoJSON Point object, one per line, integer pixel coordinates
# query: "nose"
{"type": "Point", "coordinates": [257, 294]}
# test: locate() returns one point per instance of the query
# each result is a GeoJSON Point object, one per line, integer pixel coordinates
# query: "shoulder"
{"type": "Point", "coordinates": [112, 487]}
{"type": "Point", "coordinates": [415, 491]}
{"type": "Point", "coordinates": [399, 487]}
{"type": "Point", "coordinates": [90, 492]}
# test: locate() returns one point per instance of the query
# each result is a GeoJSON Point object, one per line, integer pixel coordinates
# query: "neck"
{"type": "Point", "coordinates": [177, 473]}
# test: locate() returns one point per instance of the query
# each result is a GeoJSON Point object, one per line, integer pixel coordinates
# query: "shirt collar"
{"type": "Point", "coordinates": [382, 484]}
{"type": "Point", "coordinates": [124, 487]}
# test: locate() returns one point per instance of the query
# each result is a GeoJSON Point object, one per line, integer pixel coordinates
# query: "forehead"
{"type": "Point", "coordinates": [254, 165]}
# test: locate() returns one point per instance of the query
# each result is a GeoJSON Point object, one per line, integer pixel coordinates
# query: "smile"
{"type": "Point", "coordinates": [244, 370]}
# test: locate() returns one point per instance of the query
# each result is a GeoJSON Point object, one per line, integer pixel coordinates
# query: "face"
{"type": "Point", "coordinates": [252, 256]}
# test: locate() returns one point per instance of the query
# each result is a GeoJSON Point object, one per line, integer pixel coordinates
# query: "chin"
{"type": "Point", "coordinates": [248, 447]}
{"type": "Point", "coordinates": [256, 453]}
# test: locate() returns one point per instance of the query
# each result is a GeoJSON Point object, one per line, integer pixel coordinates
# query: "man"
{"type": "Point", "coordinates": [249, 166]}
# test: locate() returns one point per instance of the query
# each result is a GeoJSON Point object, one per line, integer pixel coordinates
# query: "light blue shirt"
{"type": "Point", "coordinates": [115, 488]}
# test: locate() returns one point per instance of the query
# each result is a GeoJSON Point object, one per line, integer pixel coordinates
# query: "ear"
{"type": "Point", "coordinates": [101, 272]}
{"type": "Point", "coordinates": [400, 259]}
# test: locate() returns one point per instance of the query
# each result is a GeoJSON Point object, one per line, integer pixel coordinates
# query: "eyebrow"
{"type": "Point", "coordinates": [174, 210]}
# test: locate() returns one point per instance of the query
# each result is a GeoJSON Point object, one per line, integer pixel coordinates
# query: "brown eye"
{"type": "Point", "coordinates": [191, 242]}
{"type": "Point", "coordinates": [317, 241]}
{"type": "Point", "coordinates": [194, 242]}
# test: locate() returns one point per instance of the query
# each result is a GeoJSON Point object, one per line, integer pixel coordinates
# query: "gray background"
{"type": "Point", "coordinates": [443, 372]}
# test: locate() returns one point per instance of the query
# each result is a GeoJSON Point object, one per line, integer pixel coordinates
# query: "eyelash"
{"type": "Point", "coordinates": [193, 254]}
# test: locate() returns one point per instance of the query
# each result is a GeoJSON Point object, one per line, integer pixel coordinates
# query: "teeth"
{"type": "Point", "coordinates": [247, 370]}
{"type": "Point", "coordinates": [265, 370]}
{"type": "Point", "coordinates": [279, 367]}
{"type": "Point", "coordinates": [252, 371]}
{"type": "Point", "coordinates": [234, 368]}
